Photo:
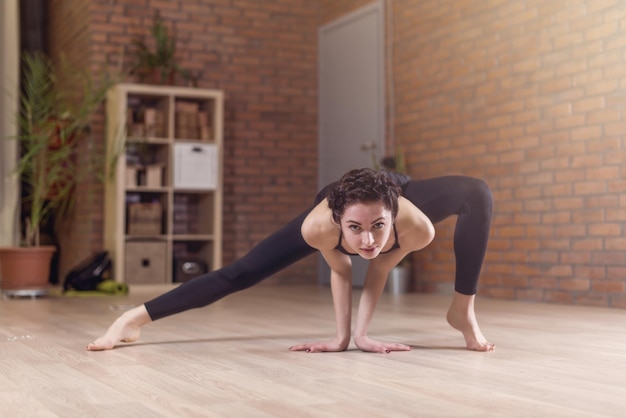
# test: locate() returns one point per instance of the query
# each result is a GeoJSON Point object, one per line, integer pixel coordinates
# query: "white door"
{"type": "Point", "coordinates": [351, 100]}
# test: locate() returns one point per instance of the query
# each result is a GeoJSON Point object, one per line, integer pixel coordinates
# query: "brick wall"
{"type": "Point", "coordinates": [69, 41]}
{"type": "Point", "coordinates": [529, 96]}
{"type": "Point", "coordinates": [263, 55]}
{"type": "Point", "coordinates": [525, 94]}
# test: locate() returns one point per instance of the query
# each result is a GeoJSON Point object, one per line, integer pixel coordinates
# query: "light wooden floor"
{"type": "Point", "coordinates": [232, 360]}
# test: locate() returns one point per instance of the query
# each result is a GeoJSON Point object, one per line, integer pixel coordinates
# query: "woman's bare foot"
{"type": "Point", "coordinates": [461, 316]}
{"type": "Point", "coordinates": [126, 328]}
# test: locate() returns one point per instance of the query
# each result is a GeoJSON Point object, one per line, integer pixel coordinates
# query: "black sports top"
{"type": "Point", "coordinates": [393, 247]}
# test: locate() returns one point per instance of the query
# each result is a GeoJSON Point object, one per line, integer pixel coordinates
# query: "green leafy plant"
{"type": "Point", "coordinates": [394, 162]}
{"type": "Point", "coordinates": [51, 124]}
{"type": "Point", "coordinates": [161, 59]}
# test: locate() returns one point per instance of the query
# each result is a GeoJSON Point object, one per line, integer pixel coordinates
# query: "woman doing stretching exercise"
{"type": "Point", "coordinates": [379, 216]}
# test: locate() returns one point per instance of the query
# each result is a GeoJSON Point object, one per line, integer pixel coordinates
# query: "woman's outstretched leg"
{"type": "Point", "coordinates": [471, 200]}
{"type": "Point", "coordinates": [271, 255]}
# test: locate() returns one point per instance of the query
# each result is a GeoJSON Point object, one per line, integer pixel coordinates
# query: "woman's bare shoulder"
{"type": "Point", "coordinates": [414, 228]}
{"type": "Point", "coordinates": [407, 211]}
{"type": "Point", "coordinates": [318, 229]}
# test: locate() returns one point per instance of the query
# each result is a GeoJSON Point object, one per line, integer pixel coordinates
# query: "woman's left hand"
{"type": "Point", "coordinates": [365, 343]}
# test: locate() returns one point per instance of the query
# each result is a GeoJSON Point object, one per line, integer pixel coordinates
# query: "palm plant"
{"type": "Point", "coordinates": [51, 124]}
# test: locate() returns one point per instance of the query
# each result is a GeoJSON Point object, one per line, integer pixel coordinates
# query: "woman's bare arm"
{"type": "Point", "coordinates": [415, 231]}
{"type": "Point", "coordinates": [341, 287]}
{"type": "Point", "coordinates": [375, 279]}
{"type": "Point", "coordinates": [321, 233]}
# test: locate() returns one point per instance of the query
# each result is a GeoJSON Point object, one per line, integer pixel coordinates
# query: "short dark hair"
{"type": "Point", "coordinates": [363, 185]}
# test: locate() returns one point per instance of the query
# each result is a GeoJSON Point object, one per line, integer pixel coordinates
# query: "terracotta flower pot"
{"type": "Point", "coordinates": [24, 271]}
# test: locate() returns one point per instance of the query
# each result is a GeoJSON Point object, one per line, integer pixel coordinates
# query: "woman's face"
{"type": "Point", "coordinates": [366, 228]}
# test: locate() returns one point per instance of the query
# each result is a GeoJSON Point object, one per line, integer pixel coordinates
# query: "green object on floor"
{"type": "Point", "coordinates": [104, 288]}
{"type": "Point", "coordinates": [112, 287]}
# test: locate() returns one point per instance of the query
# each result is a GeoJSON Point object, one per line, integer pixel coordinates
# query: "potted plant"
{"type": "Point", "coordinates": [157, 65]}
{"type": "Point", "coordinates": [50, 125]}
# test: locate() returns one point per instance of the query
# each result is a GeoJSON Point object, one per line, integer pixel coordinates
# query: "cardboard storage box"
{"type": "Point", "coordinates": [154, 175]}
{"type": "Point", "coordinates": [145, 262]}
{"type": "Point", "coordinates": [145, 219]}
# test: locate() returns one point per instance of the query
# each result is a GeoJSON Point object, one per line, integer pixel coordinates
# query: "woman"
{"type": "Point", "coordinates": [369, 213]}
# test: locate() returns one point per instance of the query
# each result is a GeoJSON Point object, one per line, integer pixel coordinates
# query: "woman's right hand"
{"type": "Point", "coordinates": [319, 347]}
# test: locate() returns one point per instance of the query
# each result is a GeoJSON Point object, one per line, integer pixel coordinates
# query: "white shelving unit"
{"type": "Point", "coordinates": [163, 193]}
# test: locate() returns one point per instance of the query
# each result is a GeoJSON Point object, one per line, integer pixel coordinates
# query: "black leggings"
{"type": "Point", "coordinates": [438, 198]}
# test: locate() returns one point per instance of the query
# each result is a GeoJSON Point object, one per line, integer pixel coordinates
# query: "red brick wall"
{"type": "Point", "coordinates": [69, 40]}
{"type": "Point", "coordinates": [527, 95]}
{"type": "Point", "coordinates": [263, 55]}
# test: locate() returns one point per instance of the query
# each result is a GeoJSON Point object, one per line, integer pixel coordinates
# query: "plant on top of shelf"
{"type": "Point", "coordinates": [162, 60]}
